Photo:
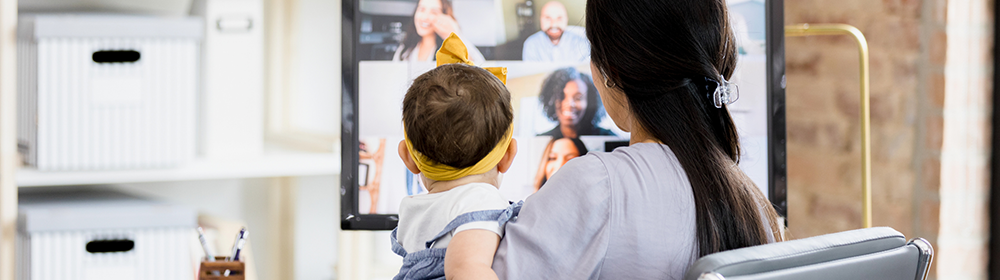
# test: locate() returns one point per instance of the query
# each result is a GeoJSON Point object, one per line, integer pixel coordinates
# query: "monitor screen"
{"type": "Point", "coordinates": [558, 114]}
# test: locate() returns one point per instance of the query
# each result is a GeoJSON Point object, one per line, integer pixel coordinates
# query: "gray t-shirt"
{"type": "Point", "coordinates": [628, 214]}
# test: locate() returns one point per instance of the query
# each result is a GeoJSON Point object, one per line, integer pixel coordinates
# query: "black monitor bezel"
{"type": "Point", "coordinates": [350, 217]}
{"type": "Point", "coordinates": [776, 136]}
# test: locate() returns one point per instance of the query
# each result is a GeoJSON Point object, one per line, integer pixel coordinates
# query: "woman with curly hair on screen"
{"type": "Point", "coordinates": [570, 98]}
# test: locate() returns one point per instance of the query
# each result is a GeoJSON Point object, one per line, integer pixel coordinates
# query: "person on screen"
{"type": "Point", "coordinates": [376, 181]}
{"type": "Point", "coordinates": [570, 98]}
{"type": "Point", "coordinates": [433, 20]}
{"type": "Point", "coordinates": [555, 155]}
{"type": "Point", "coordinates": [554, 42]}
{"type": "Point", "coordinates": [458, 126]}
{"type": "Point", "coordinates": [676, 193]}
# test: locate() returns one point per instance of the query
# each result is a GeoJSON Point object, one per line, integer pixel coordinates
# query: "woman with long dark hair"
{"type": "Point", "coordinates": [555, 155]}
{"type": "Point", "coordinates": [433, 20]}
{"type": "Point", "coordinates": [570, 98]}
{"type": "Point", "coordinates": [649, 210]}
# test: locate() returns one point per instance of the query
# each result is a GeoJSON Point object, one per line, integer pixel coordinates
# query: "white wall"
{"type": "Point", "coordinates": [315, 100]}
{"type": "Point", "coordinates": [316, 227]}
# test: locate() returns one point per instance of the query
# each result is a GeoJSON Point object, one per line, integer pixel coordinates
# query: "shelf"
{"type": "Point", "coordinates": [270, 164]}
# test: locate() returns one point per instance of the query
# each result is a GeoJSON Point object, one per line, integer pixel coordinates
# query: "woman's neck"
{"type": "Point", "coordinates": [568, 131]}
{"type": "Point", "coordinates": [640, 135]}
{"type": "Point", "coordinates": [428, 45]}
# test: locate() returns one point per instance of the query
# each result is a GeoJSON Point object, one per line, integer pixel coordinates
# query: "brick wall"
{"type": "Point", "coordinates": [930, 78]}
{"type": "Point", "coordinates": [824, 166]}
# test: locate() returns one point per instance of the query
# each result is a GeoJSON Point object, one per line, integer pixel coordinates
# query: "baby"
{"type": "Point", "coordinates": [458, 125]}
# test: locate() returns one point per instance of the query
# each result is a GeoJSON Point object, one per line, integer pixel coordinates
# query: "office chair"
{"type": "Point", "coordinates": [871, 253]}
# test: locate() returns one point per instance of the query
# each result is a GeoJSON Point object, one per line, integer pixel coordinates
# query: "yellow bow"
{"type": "Point", "coordinates": [454, 51]}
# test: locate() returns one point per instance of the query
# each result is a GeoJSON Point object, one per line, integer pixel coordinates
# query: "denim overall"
{"type": "Point", "coordinates": [429, 262]}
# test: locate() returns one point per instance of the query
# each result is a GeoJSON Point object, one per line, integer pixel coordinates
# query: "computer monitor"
{"type": "Point", "coordinates": [384, 50]}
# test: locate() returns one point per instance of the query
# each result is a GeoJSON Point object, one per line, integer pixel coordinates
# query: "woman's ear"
{"type": "Point", "coordinates": [508, 157]}
{"type": "Point", "coordinates": [404, 154]}
{"type": "Point", "coordinates": [615, 102]}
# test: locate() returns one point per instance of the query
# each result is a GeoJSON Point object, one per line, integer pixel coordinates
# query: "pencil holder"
{"type": "Point", "coordinates": [217, 270]}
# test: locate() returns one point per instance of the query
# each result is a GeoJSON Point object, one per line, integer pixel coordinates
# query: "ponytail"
{"type": "Point", "coordinates": [662, 71]}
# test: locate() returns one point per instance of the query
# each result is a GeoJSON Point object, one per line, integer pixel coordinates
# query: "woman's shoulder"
{"type": "Point", "coordinates": [636, 152]}
{"type": "Point", "coordinates": [632, 156]}
{"type": "Point", "coordinates": [585, 178]}
{"type": "Point", "coordinates": [625, 167]}
{"type": "Point", "coordinates": [588, 168]}
{"type": "Point", "coordinates": [652, 150]}
{"type": "Point", "coordinates": [648, 160]}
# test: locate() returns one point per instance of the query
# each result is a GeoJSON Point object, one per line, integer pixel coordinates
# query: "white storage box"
{"type": "Point", "coordinates": [107, 92]}
{"type": "Point", "coordinates": [103, 235]}
{"type": "Point", "coordinates": [232, 103]}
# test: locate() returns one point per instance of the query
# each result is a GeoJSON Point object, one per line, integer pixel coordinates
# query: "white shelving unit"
{"type": "Point", "coordinates": [276, 164]}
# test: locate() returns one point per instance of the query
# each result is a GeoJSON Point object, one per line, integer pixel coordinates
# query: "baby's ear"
{"type": "Point", "coordinates": [508, 157]}
{"type": "Point", "coordinates": [404, 154]}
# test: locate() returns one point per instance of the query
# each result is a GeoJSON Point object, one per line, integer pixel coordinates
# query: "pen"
{"type": "Point", "coordinates": [241, 239]}
{"type": "Point", "coordinates": [204, 245]}
{"type": "Point", "coordinates": [208, 250]}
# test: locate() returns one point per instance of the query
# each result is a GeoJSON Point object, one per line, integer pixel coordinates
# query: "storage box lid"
{"type": "Point", "coordinates": [98, 210]}
{"type": "Point", "coordinates": [107, 25]}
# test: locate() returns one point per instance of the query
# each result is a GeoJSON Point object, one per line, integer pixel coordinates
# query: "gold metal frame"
{"type": "Point", "coordinates": [866, 143]}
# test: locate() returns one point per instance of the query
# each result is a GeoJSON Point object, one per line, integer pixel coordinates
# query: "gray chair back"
{"type": "Point", "coordinates": [872, 253]}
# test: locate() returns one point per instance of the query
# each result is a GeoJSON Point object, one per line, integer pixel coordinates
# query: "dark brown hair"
{"type": "Point", "coordinates": [456, 114]}
{"type": "Point", "coordinates": [659, 53]}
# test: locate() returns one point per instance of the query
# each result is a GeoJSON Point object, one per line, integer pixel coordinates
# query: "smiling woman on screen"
{"type": "Point", "coordinates": [433, 21]}
{"type": "Point", "coordinates": [571, 99]}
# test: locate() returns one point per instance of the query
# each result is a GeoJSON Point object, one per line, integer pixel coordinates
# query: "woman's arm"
{"type": "Point", "coordinates": [563, 230]}
{"type": "Point", "coordinates": [470, 255]}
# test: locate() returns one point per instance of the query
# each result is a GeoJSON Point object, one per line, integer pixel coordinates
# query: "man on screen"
{"type": "Point", "coordinates": [554, 42]}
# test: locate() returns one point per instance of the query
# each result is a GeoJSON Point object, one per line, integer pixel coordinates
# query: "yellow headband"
{"type": "Point", "coordinates": [454, 51]}
{"type": "Point", "coordinates": [442, 172]}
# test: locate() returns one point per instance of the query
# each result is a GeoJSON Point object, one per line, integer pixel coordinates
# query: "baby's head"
{"type": "Point", "coordinates": [456, 115]}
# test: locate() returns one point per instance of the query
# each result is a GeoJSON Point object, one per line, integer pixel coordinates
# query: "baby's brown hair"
{"type": "Point", "coordinates": [456, 114]}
